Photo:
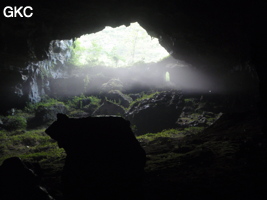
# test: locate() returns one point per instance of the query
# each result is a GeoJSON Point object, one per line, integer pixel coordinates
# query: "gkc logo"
{"type": "Point", "coordinates": [20, 11]}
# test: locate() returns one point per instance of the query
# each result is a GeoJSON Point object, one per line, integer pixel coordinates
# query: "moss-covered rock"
{"type": "Point", "coordinates": [109, 108]}
{"type": "Point", "coordinates": [119, 98]}
{"type": "Point", "coordinates": [45, 114]}
{"type": "Point", "coordinates": [14, 122]}
{"type": "Point", "coordinates": [156, 113]}
{"type": "Point", "coordinates": [112, 84]}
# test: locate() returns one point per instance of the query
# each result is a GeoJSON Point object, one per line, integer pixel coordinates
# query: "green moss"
{"type": "Point", "coordinates": [116, 103]}
{"type": "Point", "coordinates": [163, 161]}
{"type": "Point", "coordinates": [31, 139]}
{"type": "Point", "coordinates": [118, 92]}
{"type": "Point", "coordinates": [16, 122]}
{"type": "Point", "coordinates": [194, 130]}
{"type": "Point", "coordinates": [94, 100]}
{"type": "Point", "coordinates": [188, 100]}
{"type": "Point", "coordinates": [143, 96]}
{"type": "Point", "coordinates": [46, 102]}
{"type": "Point", "coordinates": [32, 145]}
{"type": "Point", "coordinates": [211, 120]}
{"type": "Point", "coordinates": [76, 102]}
{"type": "Point", "coordinates": [44, 156]}
{"type": "Point", "coordinates": [163, 134]}
{"type": "Point", "coordinates": [170, 133]}
{"type": "Point", "coordinates": [76, 113]}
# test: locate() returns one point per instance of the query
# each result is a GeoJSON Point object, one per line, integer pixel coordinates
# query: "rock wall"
{"type": "Point", "coordinates": [30, 82]}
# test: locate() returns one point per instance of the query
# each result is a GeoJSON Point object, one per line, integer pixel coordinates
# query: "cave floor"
{"type": "Point", "coordinates": [226, 161]}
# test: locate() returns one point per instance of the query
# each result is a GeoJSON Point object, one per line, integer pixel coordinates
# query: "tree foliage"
{"type": "Point", "coordinates": [117, 47]}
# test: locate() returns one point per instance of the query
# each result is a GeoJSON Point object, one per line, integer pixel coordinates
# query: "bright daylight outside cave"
{"type": "Point", "coordinates": [117, 47]}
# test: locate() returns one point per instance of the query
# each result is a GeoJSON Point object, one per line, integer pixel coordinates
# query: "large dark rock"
{"type": "Point", "coordinates": [109, 108]}
{"type": "Point", "coordinates": [119, 97]}
{"type": "Point", "coordinates": [104, 159]}
{"type": "Point", "coordinates": [19, 182]}
{"type": "Point", "coordinates": [157, 113]}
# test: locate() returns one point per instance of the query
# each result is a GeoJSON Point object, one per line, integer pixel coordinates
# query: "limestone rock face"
{"type": "Point", "coordinates": [31, 80]}
{"type": "Point", "coordinates": [37, 74]}
{"type": "Point", "coordinates": [104, 159]}
{"type": "Point", "coordinates": [156, 114]}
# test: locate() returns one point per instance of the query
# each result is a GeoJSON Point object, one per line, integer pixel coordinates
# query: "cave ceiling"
{"type": "Point", "coordinates": [205, 33]}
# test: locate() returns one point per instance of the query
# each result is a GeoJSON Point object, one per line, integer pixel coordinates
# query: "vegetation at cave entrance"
{"type": "Point", "coordinates": [117, 47]}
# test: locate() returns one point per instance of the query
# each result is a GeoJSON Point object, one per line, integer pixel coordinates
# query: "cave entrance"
{"type": "Point", "coordinates": [117, 47]}
{"type": "Point", "coordinates": [167, 77]}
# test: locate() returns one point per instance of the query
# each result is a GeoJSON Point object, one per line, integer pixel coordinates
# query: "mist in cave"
{"type": "Point", "coordinates": [133, 57]}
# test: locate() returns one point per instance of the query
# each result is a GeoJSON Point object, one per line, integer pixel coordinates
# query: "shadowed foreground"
{"type": "Point", "coordinates": [104, 159]}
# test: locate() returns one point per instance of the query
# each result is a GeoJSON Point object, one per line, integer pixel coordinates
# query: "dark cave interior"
{"type": "Point", "coordinates": [216, 145]}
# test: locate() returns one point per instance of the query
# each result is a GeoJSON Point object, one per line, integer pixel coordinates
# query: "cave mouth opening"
{"type": "Point", "coordinates": [126, 58]}
{"type": "Point", "coordinates": [128, 54]}
{"type": "Point", "coordinates": [123, 46]}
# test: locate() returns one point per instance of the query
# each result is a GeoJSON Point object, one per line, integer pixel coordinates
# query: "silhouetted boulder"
{"type": "Point", "coordinates": [104, 159]}
{"type": "Point", "coordinates": [17, 182]}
